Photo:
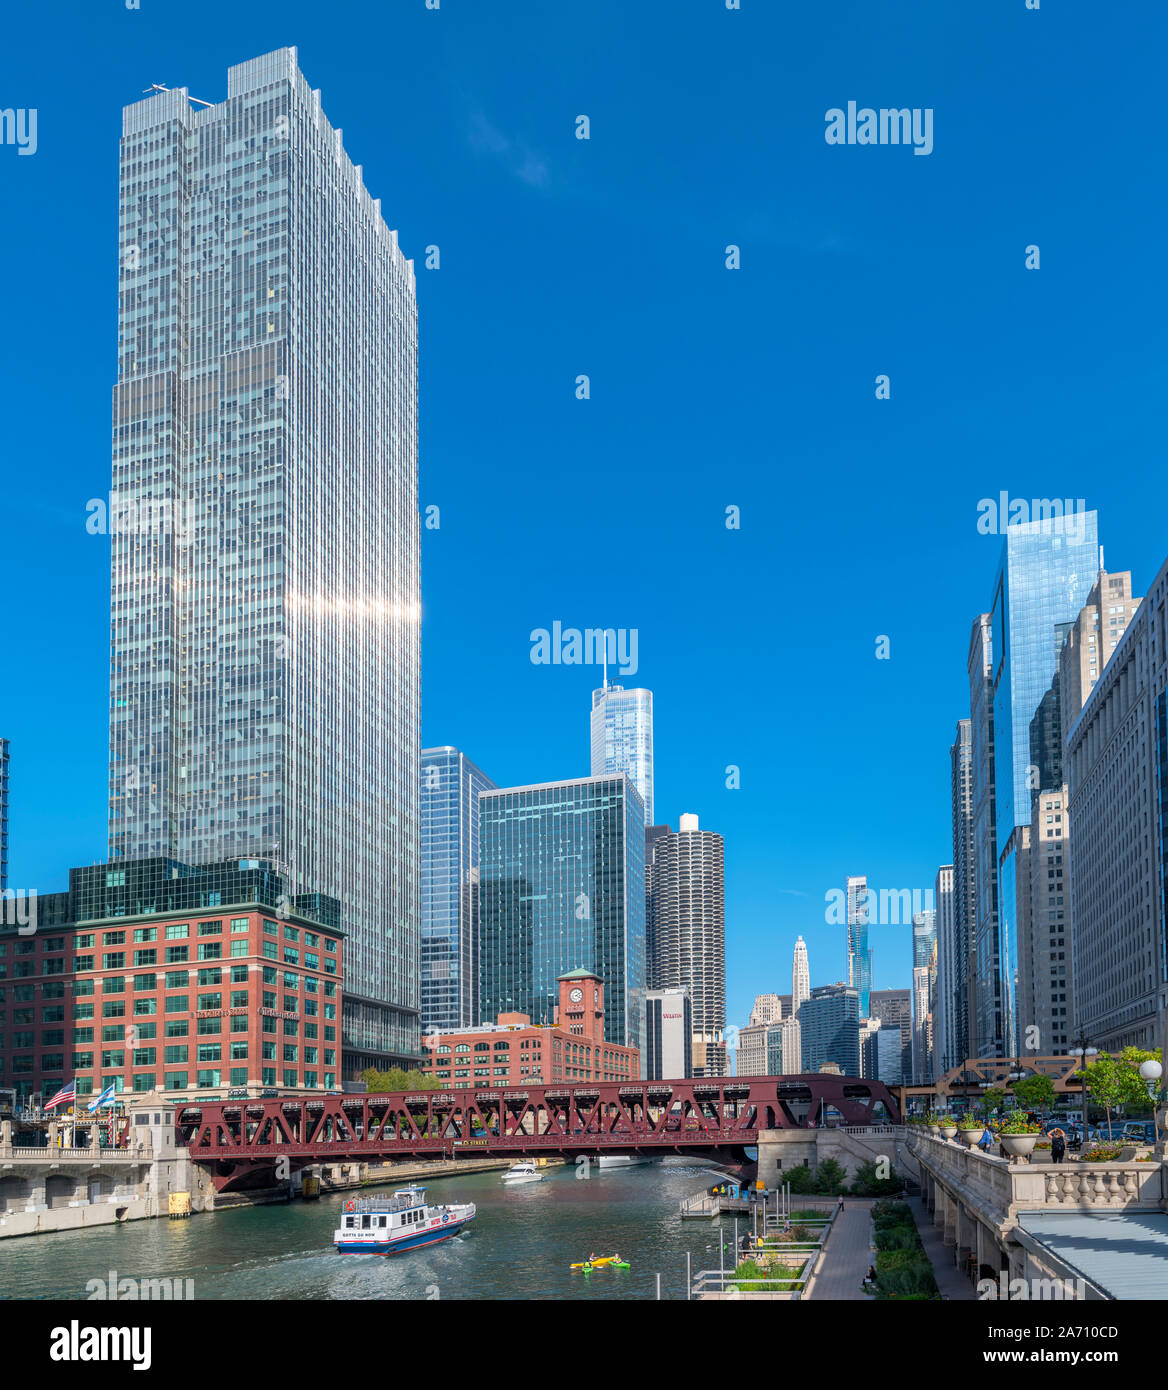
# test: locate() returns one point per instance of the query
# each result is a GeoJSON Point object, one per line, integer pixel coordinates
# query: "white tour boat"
{"type": "Point", "coordinates": [405, 1221]}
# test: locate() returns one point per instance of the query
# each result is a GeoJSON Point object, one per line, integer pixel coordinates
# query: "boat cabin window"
{"type": "Point", "coordinates": [364, 1223]}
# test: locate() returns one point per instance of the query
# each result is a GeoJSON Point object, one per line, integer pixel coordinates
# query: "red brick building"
{"type": "Point", "coordinates": [238, 998]}
{"type": "Point", "coordinates": [513, 1052]}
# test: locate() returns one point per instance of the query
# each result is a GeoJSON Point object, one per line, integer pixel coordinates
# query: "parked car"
{"type": "Point", "coordinates": [1139, 1132]}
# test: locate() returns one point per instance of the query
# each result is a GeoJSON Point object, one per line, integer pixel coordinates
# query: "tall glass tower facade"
{"type": "Point", "coordinates": [622, 738]}
{"type": "Point", "coordinates": [3, 814]}
{"type": "Point", "coordinates": [562, 886]}
{"type": "Point", "coordinates": [451, 785]}
{"type": "Point", "coordinates": [859, 952]}
{"type": "Point", "coordinates": [1045, 575]}
{"type": "Point", "coordinates": [264, 685]}
{"type": "Point", "coordinates": [829, 1028]}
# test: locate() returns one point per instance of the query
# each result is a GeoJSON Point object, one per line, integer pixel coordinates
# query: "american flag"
{"type": "Point", "coordinates": [66, 1095]}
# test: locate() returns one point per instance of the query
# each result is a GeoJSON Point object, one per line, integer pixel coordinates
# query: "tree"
{"type": "Point", "coordinates": [1035, 1092]}
{"type": "Point", "coordinates": [831, 1177]}
{"type": "Point", "coordinates": [396, 1079]}
{"type": "Point", "coordinates": [869, 1183]}
{"type": "Point", "coordinates": [992, 1100]}
{"type": "Point", "coordinates": [1115, 1081]}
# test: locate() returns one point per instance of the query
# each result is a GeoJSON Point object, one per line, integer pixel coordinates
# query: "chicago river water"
{"type": "Point", "coordinates": [519, 1247]}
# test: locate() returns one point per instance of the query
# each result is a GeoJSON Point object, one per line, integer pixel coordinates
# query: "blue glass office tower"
{"type": "Point", "coordinates": [829, 1026]}
{"type": "Point", "coordinates": [451, 785]}
{"type": "Point", "coordinates": [1045, 575]}
{"type": "Point", "coordinates": [3, 814]}
{"type": "Point", "coordinates": [562, 886]}
{"type": "Point", "coordinates": [264, 548]}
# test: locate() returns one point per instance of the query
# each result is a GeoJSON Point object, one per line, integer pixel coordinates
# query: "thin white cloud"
{"type": "Point", "coordinates": [514, 154]}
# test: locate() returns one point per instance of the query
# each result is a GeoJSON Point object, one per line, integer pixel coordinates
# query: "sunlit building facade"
{"type": "Point", "coordinates": [264, 685]}
{"type": "Point", "coordinates": [561, 887]}
{"type": "Point", "coordinates": [1047, 570]}
{"type": "Point", "coordinates": [622, 738]}
{"type": "Point", "coordinates": [451, 786]}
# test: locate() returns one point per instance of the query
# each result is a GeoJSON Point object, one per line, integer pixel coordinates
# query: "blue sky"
{"type": "Point", "coordinates": [710, 388]}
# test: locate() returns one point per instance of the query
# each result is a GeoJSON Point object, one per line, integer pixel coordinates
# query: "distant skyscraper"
{"type": "Point", "coordinates": [859, 954]}
{"type": "Point", "coordinates": [959, 992]}
{"type": "Point", "coordinates": [890, 1057]}
{"type": "Point", "coordinates": [451, 784]}
{"type": "Point", "coordinates": [689, 924]}
{"type": "Point", "coordinates": [893, 1008]}
{"type": "Point", "coordinates": [943, 1020]}
{"type": "Point", "coordinates": [924, 990]}
{"type": "Point", "coordinates": [768, 1008]}
{"type": "Point", "coordinates": [3, 814]}
{"type": "Point", "coordinates": [829, 1026]}
{"type": "Point", "coordinates": [264, 677]}
{"type": "Point", "coordinates": [622, 738]}
{"type": "Point", "coordinates": [668, 1035]}
{"type": "Point", "coordinates": [1045, 1004]}
{"type": "Point", "coordinates": [1117, 781]}
{"type": "Point", "coordinates": [1091, 639]}
{"type": "Point", "coordinates": [1045, 575]}
{"type": "Point", "coordinates": [800, 977]}
{"type": "Point", "coordinates": [800, 993]}
{"type": "Point", "coordinates": [986, 1015]}
{"type": "Point", "coordinates": [653, 978]}
{"type": "Point", "coordinates": [750, 1059]}
{"type": "Point", "coordinates": [561, 887]}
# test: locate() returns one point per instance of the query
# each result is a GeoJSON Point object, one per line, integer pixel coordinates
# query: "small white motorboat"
{"type": "Point", "coordinates": [527, 1171]}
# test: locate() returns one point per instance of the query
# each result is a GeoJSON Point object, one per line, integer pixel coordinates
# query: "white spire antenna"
{"type": "Point", "coordinates": [605, 658]}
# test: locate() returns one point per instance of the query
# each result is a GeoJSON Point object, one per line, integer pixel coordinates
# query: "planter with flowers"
{"type": "Point", "coordinates": [970, 1129]}
{"type": "Point", "coordinates": [1018, 1135]}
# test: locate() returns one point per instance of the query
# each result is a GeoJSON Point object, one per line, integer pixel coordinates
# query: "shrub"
{"type": "Point", "coordinates": [751, 1269]}
{"type": "Point", "coordinates": [869, 1184]}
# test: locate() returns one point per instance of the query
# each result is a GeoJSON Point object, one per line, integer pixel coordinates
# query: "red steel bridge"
{"type": "Point", "coordinates": [718, 1118]}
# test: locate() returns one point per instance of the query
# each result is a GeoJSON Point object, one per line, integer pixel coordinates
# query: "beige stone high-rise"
{"type": "Point", "coordinates": [1116, 768]}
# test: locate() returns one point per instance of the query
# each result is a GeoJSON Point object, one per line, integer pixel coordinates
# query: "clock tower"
{"type": "Point", "coordinates": [581, 1010]}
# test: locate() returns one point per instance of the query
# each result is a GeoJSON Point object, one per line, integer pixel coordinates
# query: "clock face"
{"type": "Point", "coordinates": [576, 995]}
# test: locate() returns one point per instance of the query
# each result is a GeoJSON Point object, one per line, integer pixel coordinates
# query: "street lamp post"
{"type": "Point", "coordinates": [1152, 1071]}
{"type": "Point", "coordinates": [1082, 1050]}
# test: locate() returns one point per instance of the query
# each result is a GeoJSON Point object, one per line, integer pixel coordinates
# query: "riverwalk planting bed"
{"type": "Point", "coordinates": [903, 1269]}
{"type": "Point", "coordinates": [759, 1276]}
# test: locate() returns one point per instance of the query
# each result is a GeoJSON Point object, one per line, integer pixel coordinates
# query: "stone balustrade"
{"type": "Point", "coordinates": [998, 1188]}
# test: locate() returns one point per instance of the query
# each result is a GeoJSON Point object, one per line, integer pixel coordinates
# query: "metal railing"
{"type": "Point", "coordinates": [725, 1281]}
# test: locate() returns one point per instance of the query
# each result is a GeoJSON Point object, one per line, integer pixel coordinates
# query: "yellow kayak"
{"type": "Point", "coordinates": [594, 1264]}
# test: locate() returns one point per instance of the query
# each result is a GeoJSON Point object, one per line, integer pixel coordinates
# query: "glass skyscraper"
{"type": "Point", "coordinates": [1045, 575]}
{"type": "Point", "coordinates": [859, 952]}
{"type": "Point", "coordinates": [829, 1029]}
{"type": "Point", "coordinates": [451, 784]}
{"type": "Point", "coordinates": [622, 738]}
{"type": "Point", "coordinates": [3, 814]}
{"type": "Point", "coordinates": [264, 684]}
{"type": "Point", "coordinates": [562, 886]}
